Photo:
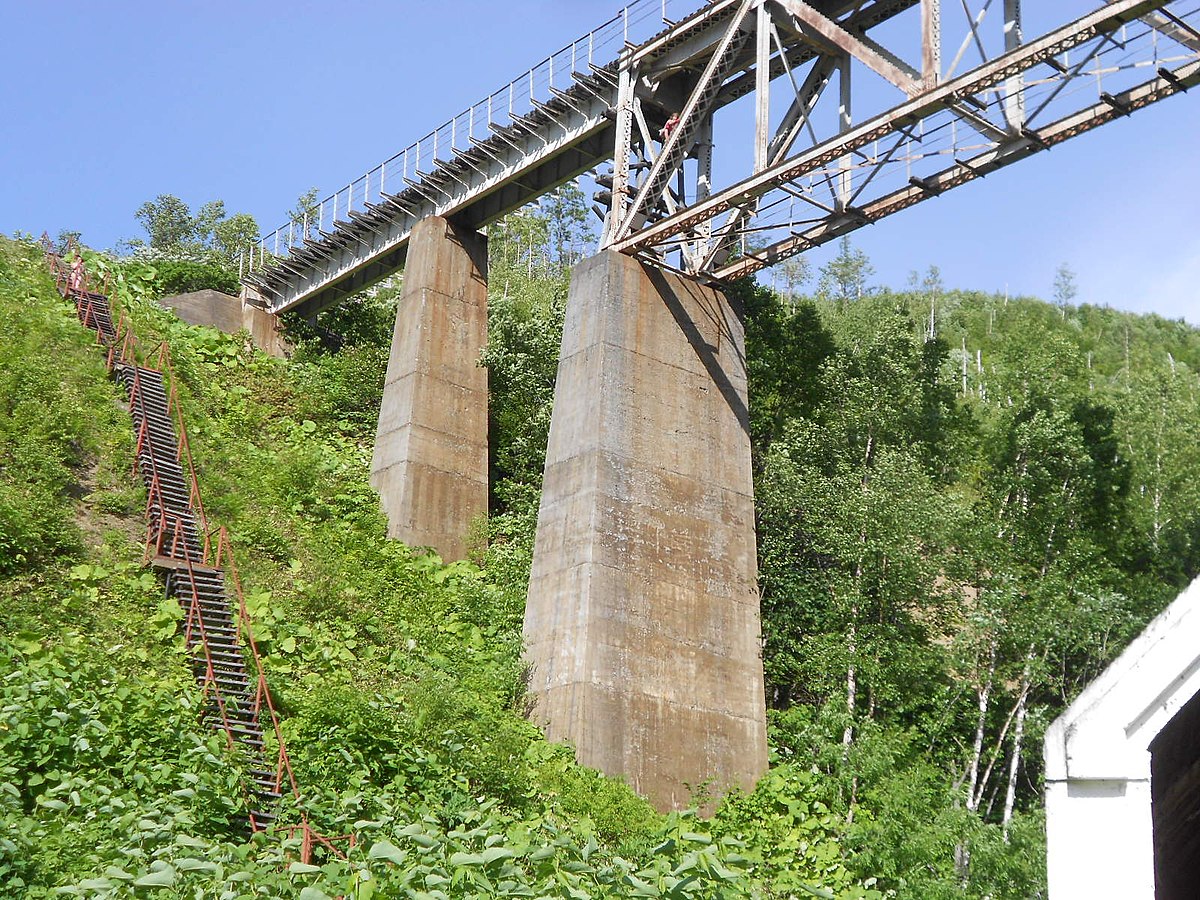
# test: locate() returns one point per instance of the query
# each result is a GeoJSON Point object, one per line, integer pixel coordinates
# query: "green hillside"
{"type": "Point", "coordinates": [946, 558]}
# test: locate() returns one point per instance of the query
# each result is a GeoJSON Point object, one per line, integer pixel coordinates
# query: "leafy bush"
{"type": "Point", "coordinates": [178, 276]}
{"type": "Point", "coordinates": [60, 434]}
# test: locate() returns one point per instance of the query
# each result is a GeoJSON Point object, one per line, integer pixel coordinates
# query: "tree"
{"type": "Point", "coordinates": [844, 278]}
{"type": "Point", "coordinates": [568, 223]}
{"type": "Point", "coordinates": [933, 288]}
{"type": "Point", "coordinates": [1160, 419]}
{"type": "Point", "coordinates": [796, 270]}
{"type": "Point", "coordinates": [174, 230]}
{"type": "Point", "coordinates": [168, 222]}
{"type": "Point", "coordinates": [207, 219]}
{"type": "Point", "coordinates": [518, 246]}
{"type": "Point", "coordinates": [306, 214]}
{"type": "Point", "coordinates": [1065, 287]}
{"type": "Point", "coordinates": [235, 235]}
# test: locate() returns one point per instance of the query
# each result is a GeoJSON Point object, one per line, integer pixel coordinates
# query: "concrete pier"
{"type": "Point", "coordinates": [430, 463]}
{"type": "Point", "coordinates": [232, 314]}
{"type": "Point", "coordinates": [642, 625]}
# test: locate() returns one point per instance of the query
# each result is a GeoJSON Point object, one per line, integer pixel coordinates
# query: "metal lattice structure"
{"type": "Point", "coordinates": [800, 163]}
{"type": "Point", "coordinates": [929, 129]}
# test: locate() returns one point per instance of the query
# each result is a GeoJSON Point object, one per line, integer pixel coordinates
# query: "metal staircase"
{"type": "Point", "coordinates": [196, 561]}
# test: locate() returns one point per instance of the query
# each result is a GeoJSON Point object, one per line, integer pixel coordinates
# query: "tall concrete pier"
{"type": "Point", "coordinates": [430, 463]}
{"type": "Point", "coordinates": [642, 624]}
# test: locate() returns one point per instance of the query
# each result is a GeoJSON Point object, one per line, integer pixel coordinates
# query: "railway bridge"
{"type": "Point", "coordinates": [642, 625]}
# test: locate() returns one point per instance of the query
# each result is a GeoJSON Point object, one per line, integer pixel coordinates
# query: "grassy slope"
{"type": "Point", "coordinates": [398, 676]}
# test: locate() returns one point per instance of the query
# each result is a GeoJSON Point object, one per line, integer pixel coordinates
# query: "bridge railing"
{"type": "Point", "coordinates": [633, 24]}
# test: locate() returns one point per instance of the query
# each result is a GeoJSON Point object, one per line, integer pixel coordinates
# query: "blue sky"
{"type": "Point", "coordinates": [105, 106]}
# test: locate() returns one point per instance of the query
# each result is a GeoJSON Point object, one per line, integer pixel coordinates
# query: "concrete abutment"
{"type": "Point", "coordinates": [430, 464]}
{"type": "Point", "coordinates": [642, 624]}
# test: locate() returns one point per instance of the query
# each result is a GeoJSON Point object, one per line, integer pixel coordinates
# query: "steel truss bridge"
{"type": "Point", "coordinates": [829, 115]}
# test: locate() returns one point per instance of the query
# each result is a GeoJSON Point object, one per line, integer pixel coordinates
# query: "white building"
{"type": "Point", "coordinates": [1123, 771]}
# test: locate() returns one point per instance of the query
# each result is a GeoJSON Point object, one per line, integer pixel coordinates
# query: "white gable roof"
{"type": "Point", "coordinates": [1106, 732]}
{"type": "Point", "coordinates": [1099, 828]}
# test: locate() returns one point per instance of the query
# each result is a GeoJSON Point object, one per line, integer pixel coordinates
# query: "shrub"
{"type": "Point", "coordinates": [177, 276]}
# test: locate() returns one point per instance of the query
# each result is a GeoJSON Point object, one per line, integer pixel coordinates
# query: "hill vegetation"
{"type": "Point", "coordinates": [967, 504]}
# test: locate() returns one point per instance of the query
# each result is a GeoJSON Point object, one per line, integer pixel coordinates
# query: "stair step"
{"type": "Point", "coordinates": [224, 654]}
{"type": "Point", "coordinates": [169, 562]}
{"type": "Point", "coordinates": [241, 713]}
{"type": "Point", "coordinates": [226, 651]}
{"type": "Point", "coordinates": [206, 597]}
{"type": "Point", "coordinates": [227, 664]}
{"type": "Point", "coordinates": [230, 674]}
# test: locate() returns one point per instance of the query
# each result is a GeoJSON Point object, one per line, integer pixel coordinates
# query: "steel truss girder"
{"type": "Point", "coordinates": [717, 45]}
{"type": "Point", "coordinates": [838, 38]}
{"type": "Point", "coordinates": [968, 170]}
{"type": "Point", "coordinates": [1012, 141]}
{"type": "Point", "coordinates": [695, 112]}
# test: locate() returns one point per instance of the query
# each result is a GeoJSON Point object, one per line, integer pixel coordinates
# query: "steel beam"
{"type": "Point", "coordinates": [1014, 87]}
{"type": "Point", "coordinates": [931, 42]}
{"type": "Point", "coordinates": [833, 35]}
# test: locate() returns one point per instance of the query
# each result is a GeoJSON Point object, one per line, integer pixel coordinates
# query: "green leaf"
{"type": "Point", "coordinates": [191, 864]}
{"type": "Point", "coordinates": [162, 878]}
{"type": "Point", "coordinates": [312, 893]}
{"type": "Point", "coordinates": [641, 888]}
{"type": "Point", "coordinates": [466, 859]}
{"type": "Point", "coordinates": [300, 868]}
{"type": "Point", "coordinates": [817, 892]}
{"type": "Point", "coordinates": [491, 854]}
{"type": "Point", "coordinates": [386, 850]}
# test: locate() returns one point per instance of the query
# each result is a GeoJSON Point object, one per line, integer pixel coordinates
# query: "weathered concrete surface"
{"type": "Point", "coordinates": [208, 307]}
{"type": "Point", "coordinates": [265, 331]}
{"type": "Point", "coordinates": [430, 464]}
{"type": "Point", "coordinates": [642, 624]}
{"type": "Point", "coordinates": [230, 315]}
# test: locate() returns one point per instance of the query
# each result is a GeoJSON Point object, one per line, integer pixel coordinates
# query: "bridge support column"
{"type": "Point", "coordinates": [263, 327]}
{"type": "Point", "coordinates": [430, 463]}
{"type": "Point", "coordinates": [642, 624]}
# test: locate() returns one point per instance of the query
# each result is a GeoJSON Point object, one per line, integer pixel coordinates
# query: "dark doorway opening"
{"type": "Point", "coordinates": [1175, 799]}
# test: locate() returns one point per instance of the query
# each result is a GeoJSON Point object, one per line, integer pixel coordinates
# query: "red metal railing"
{"type": "Point", "coordinates": [125, 349]}
{"type": "Point", "coordinates": [223, 558]}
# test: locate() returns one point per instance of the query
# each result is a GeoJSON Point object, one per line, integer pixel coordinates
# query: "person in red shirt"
{"type": "Point", "coordinates": [665, 133]}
